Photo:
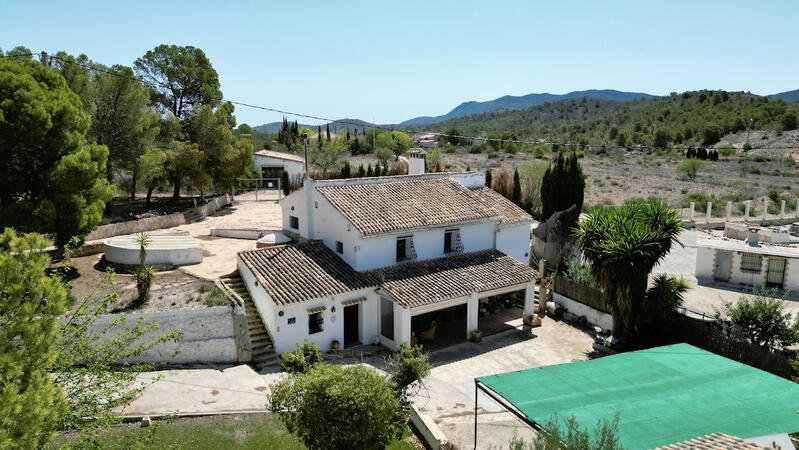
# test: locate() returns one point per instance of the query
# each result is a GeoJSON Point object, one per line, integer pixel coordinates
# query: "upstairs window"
{"type": "Point", "coordinates": [452, 241]}
{"type": "Point", "coordinates": [405, 250]}
{"type": "Point", "coordinates": [751, 262]}
{"type": "Point", "coordinates": [294, 222]}
{"type": "Point", "coordinates": [339, 247]}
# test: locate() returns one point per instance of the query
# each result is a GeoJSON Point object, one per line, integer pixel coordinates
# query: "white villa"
{"type": "Point", "coordinates": [390, 260]}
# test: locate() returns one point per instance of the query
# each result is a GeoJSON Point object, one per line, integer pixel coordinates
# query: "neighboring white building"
{"type": "Point", "coordinates": [750, 261]}
{"type": "Point", "coordinates": [271, 165]}
{"type": "Point", "coordinates": [378, 254]}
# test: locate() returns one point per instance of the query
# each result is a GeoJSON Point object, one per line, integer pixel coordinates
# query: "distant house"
{"type": "Point", "coordinates": [756, 257]}
{"type": "Point", "coordinates": [271, 164]}
{"type": "Point", "coordinates": [390, 260]}
{"type": "Point", "coordinates": [426, 140]}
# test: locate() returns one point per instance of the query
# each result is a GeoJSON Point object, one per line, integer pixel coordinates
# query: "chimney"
{"type": "Point", "coordinates": [751, 238]}
{"type": "Point", "coordinates": [416, 161]}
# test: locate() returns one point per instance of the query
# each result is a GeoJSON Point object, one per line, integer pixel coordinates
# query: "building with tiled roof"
{"type": "Point", "coordinates": [714, 441]}
{"type": "Point", "coordinates": [381, 259]}
{"type": "Point", "coordinates": [271, 164]}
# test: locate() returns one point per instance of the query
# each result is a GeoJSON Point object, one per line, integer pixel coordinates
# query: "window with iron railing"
{"type": "Point", "coordinates": [452, 241]}
{"type": "Point", "coordinates": [405, 249]}
{"type": "Point", "coordinates": [751, 262]}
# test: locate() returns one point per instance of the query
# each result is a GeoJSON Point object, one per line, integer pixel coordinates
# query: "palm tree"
{"type": "Point", "coordinates": [623, 245]}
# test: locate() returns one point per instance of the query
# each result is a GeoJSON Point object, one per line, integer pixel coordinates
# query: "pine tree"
{"type": "Point", "coordinates": [488, 177]}
{"type": "Point", "coordinates": [516, 197]}
{"type": "Point", "coordinates": [369, 170]}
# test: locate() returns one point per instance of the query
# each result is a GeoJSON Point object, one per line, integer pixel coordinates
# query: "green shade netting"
{"type": "Point", "coordinates": [663, 395]}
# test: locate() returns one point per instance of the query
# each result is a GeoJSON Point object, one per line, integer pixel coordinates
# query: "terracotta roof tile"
{"type": "Point", "coordinates": [436, 280]}
{"type": "Point", "coordinates": [280, 155]}
{"type": "Point", "coordinates": [714, 441]}
{"type": "Point", "coordinates": [377, 208]}
{"type": "Point", "coordinates": [301, 272]}
{"type": "Point", "coordinates": [508, 211]}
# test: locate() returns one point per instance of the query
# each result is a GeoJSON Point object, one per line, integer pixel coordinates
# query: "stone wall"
{"type": "Point", "coordinates": [215, 335]}
{"type": "Point", "coordinates": [136, 226]}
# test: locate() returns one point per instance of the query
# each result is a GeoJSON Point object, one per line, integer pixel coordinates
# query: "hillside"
{"type": "Point", "coordinates": [510, 102]}
{"type": "Point", "coordinates": [690, 118]}
{"type": "Point", "coordinates": [788, 96]}
{"type": "Point", "coordinates": [335, 126]}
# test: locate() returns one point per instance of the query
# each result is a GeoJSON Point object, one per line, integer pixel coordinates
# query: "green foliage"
{"type": "Point", "coordinates": [659, 309]}
{"type": "Point", "coordinates": [488, 177]}
{"type": "Point", "coordinates": [682, 118]}
{"type": "Point", "coordinates": [516, 195]}
{"type": "Point", "coordinates": [762, 319]}
{"type": "Point", "coordinates": [181, 79]}
{"type": "Point", "coordinates": [333, 406]}
{"type": "Point", "coordinates": [52, 180]}
{"type": "Point", "coordinates": [579, 270]}
{"type": "Point", "coordinates": [407, 366]}
{"type": "Point", "coordinates": [604, 436]}
{"type": "Point", "coordinates": [563, 186]}
{"type": "Point", "coordinates": [432, 159]}
{"type": "Point", "coordinates": [285, 183]}
{"type": "Point", "coordinates": [690, 167]}
{"type": "Point", "coordinates": [789, 121]}
{"type": "Point", "coordinates": [90, 350]}
{"type": "Point", "coordinates": [346, 170]}
{"type": "Point", "coordinates": [302, 359]}
{"type": "Point", "coordinates": [622, 245]}
{"type": "Point", "coordinates": [726, 150]}
{"type": "Point", "coordinates": [329, 155]}
{"type": "Point", "coordinates": [150, 170]}
{"type": "Point", "coordinates": [30, 302]}
{"type": "Point", "coordinates": [531, 174]}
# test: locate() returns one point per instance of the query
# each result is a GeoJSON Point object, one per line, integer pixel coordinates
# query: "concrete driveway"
{"type": "Point", "coordinates": [449, 395]}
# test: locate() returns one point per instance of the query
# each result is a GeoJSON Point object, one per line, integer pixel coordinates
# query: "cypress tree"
{"type": "Point", "coordinates": [348, 135]}
{"type": "Point", "coordinates": [319, 136]}
{"type": "Point", "coordinates": [488, 177]}
{"type": "Point", "coordinates": [285, 183]}
{"type": "Point", "coordinates": [346, 171]}
{"type": "Point", "coordinates": [369, 170]}
{"type": "Point", "coordinates": [327, 131]}
{"type": "Point", "coordinates": [516, 197]}
{"type": "Point", "coordinates": [562, 186]}
{"type": "Point", "coordinates": [361, 171]}
{"type": "Point", "coordinates": [378, 169]}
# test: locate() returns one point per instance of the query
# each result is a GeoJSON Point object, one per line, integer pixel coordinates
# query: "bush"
{"type": "Point", "coordinates": [690, 167]}
{"type": "Point", "coordinates": [301, 360]}
{"type": "Point", "coordinates": [762, 319]}
{"type": "Point", "coordinates": [333, 406]}
{"type": "Point", "coordinates": [604, 436]}
{"type": "Point", "coordinates": [406, 366]}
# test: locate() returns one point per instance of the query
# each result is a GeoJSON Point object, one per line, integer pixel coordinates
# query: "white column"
{"type": "Point", "coordinates": [765, 209]}
{"type": "Point", "coordinates": [782, 209]}
{"type": "Point", "coordinates": [728, 211]}
{"type": "Point", "coordinates": [529, 300]}
{"type": "Point", "coordinates": [709, 210]}
{"type": "Point", "coordinates": [691, 212]}
{"type": "Point", "coordinates": [472, 318]}
{"type": "Point", "coordinates": [746, 210]}
{"type": "Point", "coordinates": [402, 325]}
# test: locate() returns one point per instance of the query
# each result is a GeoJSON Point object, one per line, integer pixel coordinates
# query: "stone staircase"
{"type": "Point", "coordinates": [191, 216]}
{"type": "Point", "coordinates": [263, 351]}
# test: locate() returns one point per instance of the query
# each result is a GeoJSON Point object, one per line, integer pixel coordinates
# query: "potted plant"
{"type": "Point", "coordinates": [334, 346]}
{"type": "Point", "coordinates": [476, 336]}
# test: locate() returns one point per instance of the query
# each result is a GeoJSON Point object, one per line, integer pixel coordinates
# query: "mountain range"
{"type": "Point", "coordinates": [507, 102]}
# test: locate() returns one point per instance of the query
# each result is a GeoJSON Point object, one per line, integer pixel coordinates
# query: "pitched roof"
{"type": "Point", "coordinates": [280, 155]}
{"type": "Point", "coordinates": [508, 211]}
{"type": "Point", "coordinates": [714, 441]}
{"type": "Point", "coordinates": [300, 272]}
{"type": "Point", "coordinates": [375, 208]}
{"type": "Point", "coordinates": [436, 280]}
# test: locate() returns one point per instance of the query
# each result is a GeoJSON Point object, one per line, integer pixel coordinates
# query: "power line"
{"type": "Point", "coordinates": [354, 124]}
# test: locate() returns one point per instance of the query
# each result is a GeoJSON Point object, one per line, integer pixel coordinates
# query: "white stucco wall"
{"type": "Point", "coordinates": [594, 317]}
{"type": "Point", "coordinates": [705, 264]}
{"type": "Point", "coordinates": [514, 241]}
{"type": "Point", "coordinates": [295, 169]}
{"type": "Point", "coordinates": [381, 251]}
{"type": "Point", "coordinates": [294, 205]}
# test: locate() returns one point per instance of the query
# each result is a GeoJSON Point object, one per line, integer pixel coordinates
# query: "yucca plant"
{"type": "Point", "coordinates": [623, 244]}
{"type": "Point", "coordinates": [143, 274]}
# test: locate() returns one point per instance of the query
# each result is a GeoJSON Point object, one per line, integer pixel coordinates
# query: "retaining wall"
{"type": "Point", "coordinates": [593, 316]}
{"type": "Point", "coordinates": [215, 335]}
{"type": "Point", "coordinates": [136, 226]}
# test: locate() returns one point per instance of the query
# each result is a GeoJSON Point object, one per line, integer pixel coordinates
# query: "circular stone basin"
{"type": "Point", "coordinates": [272, 239]}
{"type": "Point", "coordinates": [175, 249]}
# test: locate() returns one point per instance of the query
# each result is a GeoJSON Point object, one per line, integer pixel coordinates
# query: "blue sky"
{"type": "Point", "coordinates": [395, 60]}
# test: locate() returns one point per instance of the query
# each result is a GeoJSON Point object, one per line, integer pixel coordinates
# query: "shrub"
{"type": "Point", "coordinates": [690, 167]}
{"type": "Point", "coordinates": [604, 436]}
{"type": "Point", "coordinates": [408, 365]}
{"type": "Point", "coordinates": [301, 360]}
{"type": "Point", "coordinates": [762, 319]}
{"type": "Point", "coordinates": [333, 406]}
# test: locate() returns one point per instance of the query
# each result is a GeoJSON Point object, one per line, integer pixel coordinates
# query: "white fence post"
{"type": "Point", "coordinates": [728, 211]}
{"type": "Point", "coordinates": [765, 209]}
{"type": "Point", "coordinates": [709, 210]}
{"type": "Point", "coordinates": [746, 210]}
{"type": "Point", "coordinates": [782, 209]}
{"type": "Point", "coordinates": [691, 212]}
